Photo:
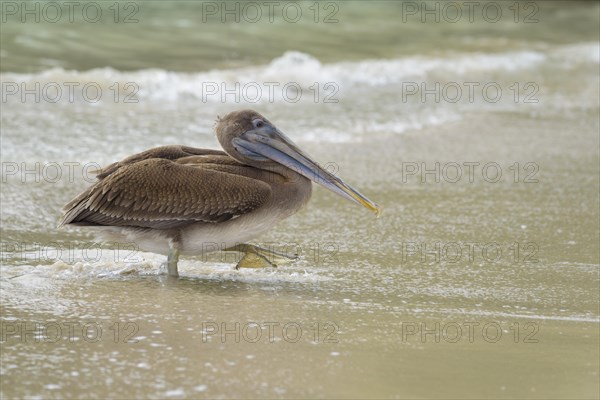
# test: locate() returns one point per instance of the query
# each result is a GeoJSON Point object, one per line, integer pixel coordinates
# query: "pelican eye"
{"type": "Point", "coordinates": [258, 123]}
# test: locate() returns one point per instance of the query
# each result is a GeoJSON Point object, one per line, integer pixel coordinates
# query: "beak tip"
{"type": "Point", "coordinates": [378, 210]}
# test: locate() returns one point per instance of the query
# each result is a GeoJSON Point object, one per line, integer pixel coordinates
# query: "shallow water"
{"type": "Point", "coordinates": [470, 284]}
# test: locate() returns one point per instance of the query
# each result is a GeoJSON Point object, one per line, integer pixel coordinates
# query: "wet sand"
{"type": "Point", "coordinates": [375, 308]}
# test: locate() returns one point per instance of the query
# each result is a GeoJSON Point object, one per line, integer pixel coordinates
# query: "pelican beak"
{"type": "Point", "coordinates": [268, 142]}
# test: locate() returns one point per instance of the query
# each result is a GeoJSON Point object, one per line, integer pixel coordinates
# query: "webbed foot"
{"type": "Point", "coordinates": [258, 257]}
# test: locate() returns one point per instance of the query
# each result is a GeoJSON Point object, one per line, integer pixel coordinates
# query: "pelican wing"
{"type": "Point", "coordinates": [166, 152]}
{"type": "Point", "coordinates": [163, 193]}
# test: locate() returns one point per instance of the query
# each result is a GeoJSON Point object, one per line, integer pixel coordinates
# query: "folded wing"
{"type": "Point", "coordinates": [169, 187]}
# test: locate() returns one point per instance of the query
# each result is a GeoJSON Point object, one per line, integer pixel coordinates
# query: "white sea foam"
{"type": "Point", "coordinates": [150, 265]}
{"type": "Point", "coordinates": [305, 70]}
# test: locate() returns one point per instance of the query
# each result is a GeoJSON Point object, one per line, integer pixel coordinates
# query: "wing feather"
{"type": "Point", "coordinates": [165, 152]}
{"type": "Point", "coordinates": [169, 192]}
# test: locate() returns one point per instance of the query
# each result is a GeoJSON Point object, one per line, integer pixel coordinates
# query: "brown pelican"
{"type": "Point", "coordinates": [180, 200]}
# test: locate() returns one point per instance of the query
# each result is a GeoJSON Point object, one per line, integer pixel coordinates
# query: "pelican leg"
{"type": "Point", "coordinates": [172, 259]}
{"type": "Point", "coordinates": [258, 257]}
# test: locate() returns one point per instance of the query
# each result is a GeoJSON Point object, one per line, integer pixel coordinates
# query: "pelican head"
{"type": "Point", "coordinates": [253, 140]}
